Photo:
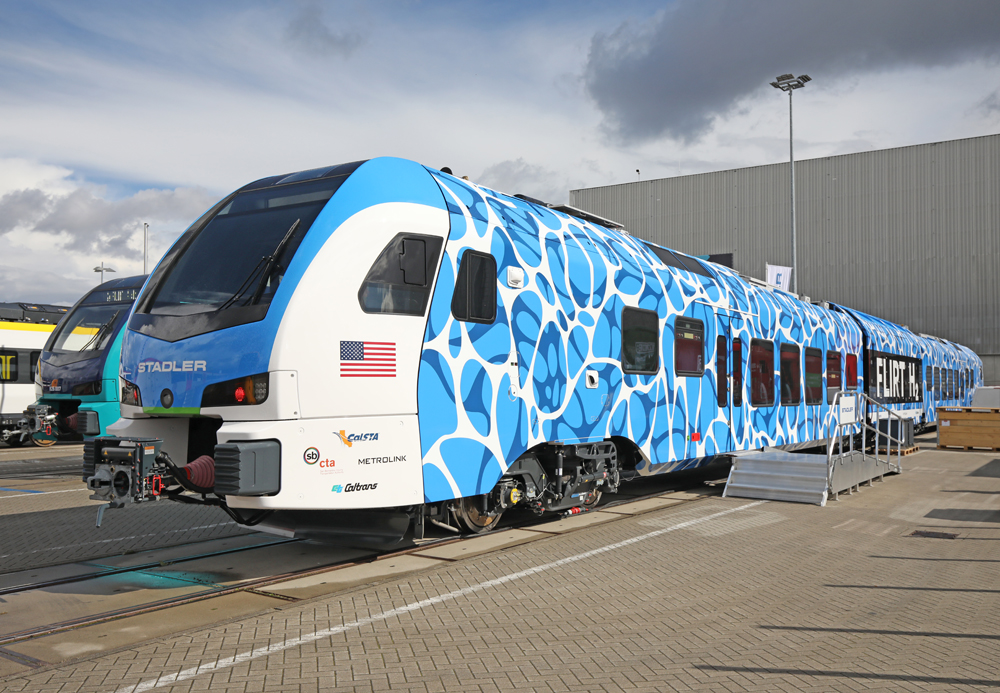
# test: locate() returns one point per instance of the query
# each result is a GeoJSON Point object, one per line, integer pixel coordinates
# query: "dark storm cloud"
{"type": "Point", "coordinates": [309, 33]}
{"type": "Point", "coordinates": [696, 60]}
{"type": "Point", "coordinates": [93, 223]}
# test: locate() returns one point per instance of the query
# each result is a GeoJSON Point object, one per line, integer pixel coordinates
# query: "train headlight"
{"type": "Point", "coordinates": [250, 389]}
{"type": "Point", "coordinates": [130, 394]}
{"type": "Point", "coordinates": [91, 388]}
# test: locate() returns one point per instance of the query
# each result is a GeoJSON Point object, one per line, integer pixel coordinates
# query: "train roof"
{"type": "Point", "coordinates": [40, 313]}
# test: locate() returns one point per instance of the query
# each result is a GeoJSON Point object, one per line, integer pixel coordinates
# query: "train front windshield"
{"type": "Point", "coordinates": [238, 257]}
{"type": "Point", "coordinates": [92, 326]}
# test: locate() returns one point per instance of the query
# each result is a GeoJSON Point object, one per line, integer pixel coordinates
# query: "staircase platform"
{"type": "Point", "coordinates": [799, 477]}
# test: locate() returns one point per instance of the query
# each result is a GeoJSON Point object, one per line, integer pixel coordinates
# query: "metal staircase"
{"type": "Point", "coordinates": [774, 474]}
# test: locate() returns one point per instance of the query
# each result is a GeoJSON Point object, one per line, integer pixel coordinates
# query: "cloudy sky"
{"type": "Point", "coordinates": [116, 113]}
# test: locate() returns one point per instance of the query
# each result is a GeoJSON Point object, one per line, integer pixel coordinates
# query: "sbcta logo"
{"type": "Point", "coordinates": [311, 456]}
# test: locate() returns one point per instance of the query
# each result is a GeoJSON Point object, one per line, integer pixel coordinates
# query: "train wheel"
{"type": "Point", "coordinates": [470, 517]}
{"type": "Point", "coordinates": [42, 441]}
{"type": "Point", "coordinates": [592, 499]}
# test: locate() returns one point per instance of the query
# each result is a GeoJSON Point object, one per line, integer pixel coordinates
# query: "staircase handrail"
{"type": "Point", "coordinates": [838, 439]}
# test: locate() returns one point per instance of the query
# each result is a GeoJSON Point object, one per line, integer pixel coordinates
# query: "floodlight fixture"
{"type": "Point", "coordinates": [102, 269]}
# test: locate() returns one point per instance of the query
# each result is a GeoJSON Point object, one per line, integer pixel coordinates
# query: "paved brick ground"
{"type": "Point", "coordinates": [769, 597]}
{"type": "Point", "coordinates": [32, 535]}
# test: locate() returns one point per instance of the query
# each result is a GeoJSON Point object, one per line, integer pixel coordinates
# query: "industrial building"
{"type": "Point", "coordinates": [910, 234]}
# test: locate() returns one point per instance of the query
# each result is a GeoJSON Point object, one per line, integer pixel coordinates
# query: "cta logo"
{"type": "Point", "coordinates": [311, 456]}
{"type": "Point", "coordinates": [157, 366]}
{"type": "Point", "coordinates": [349, 439]}
{"type": "Point", "coordinates": [348, 488]}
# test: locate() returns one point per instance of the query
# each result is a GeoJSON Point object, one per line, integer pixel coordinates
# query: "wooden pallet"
{"type": "Point", "coordinates": [968, 447]}
{"type": "Point", "coordinates": [968, 428]}
{"type": "Point", "coordinates": [904, 451]}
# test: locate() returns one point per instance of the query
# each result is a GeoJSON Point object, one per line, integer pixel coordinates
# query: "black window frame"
{"type": "Point", "coordinates": [464, 276]}
{"type": "Point", "coordinates": [737, 367]}
{"type": "Point", "coordinates": [695, 326]}
{"type": "Point", "coordinates": [756, 344]}
{"type": "Point", "coordinates": [650, 317]}
{"type": "Point", "coordinates": [805, 380]}
{"type": "Point", "coordinates": [850, 384]}
{"type": "Point", "coordinates": [722, 371]}
{"type": "Point", "coordinates": [784, 348]}
{"type": "Point", "coordinates": [384, 272]}
{"type": "Point", "coordinates": [832, 390]}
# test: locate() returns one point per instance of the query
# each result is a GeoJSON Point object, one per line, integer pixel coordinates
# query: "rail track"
{"type": "Point", "coordinates": [258, 585]}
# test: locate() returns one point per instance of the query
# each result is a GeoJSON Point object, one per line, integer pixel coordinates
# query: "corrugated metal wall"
{"type": "Point", "coordinates": [909, 234]}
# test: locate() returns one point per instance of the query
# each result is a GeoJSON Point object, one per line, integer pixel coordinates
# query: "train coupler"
{"type": "Point", "coordinates": [124, 470]}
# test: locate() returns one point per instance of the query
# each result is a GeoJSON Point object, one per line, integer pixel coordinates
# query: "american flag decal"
{"type": "Point", "coordinates": [367, 359]}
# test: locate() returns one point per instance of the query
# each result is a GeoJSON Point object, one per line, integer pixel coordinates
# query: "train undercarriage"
{"type": "Point", "coordinates": [550, 478]}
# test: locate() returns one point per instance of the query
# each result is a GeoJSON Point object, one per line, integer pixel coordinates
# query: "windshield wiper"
{"type": "Point", "coordinates": [268, 262]}
{"type": "Point", "coordinates": [100, 331]}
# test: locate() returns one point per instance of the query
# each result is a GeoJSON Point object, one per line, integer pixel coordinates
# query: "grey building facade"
{"type": "Point", "coordinates": [909, 234]}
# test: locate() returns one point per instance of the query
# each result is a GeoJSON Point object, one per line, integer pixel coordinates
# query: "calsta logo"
{"type": "Point", "coordinates": [349, 439]}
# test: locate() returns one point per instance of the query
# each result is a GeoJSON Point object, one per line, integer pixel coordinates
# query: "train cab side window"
{"type": "Point", "coordinates": [8, 366]}
{"type": "Point", "coordinates": [640, 341]}
{"type": "Point", "coordinates": [737, 373]}
{"type": "Point", "coordinates": [689, 347]}
{"type": "Point", "coordinates": [851, 372]}
{"type": "Point", "coordinates": [761, 373]}
{"type": "Point", "coordinates": [833, 380]}
{"type": "Point", "coordinates": [399, 281]}
{"type": "Point", "coordinates": [475, 298]}
{"type": "Point", "coordinates": [791, 375]}
{"type": "Point", "coordinates": [35, 355]}
{"type": "Point", "coordinates": [814, 376]}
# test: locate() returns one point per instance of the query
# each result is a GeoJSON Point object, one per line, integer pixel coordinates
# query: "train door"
{"type": "Point", "coordinates": [727, 375]}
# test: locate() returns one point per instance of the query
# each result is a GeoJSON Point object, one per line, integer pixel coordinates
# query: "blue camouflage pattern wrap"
{"type": "Point", "coordinates": [488, 393]}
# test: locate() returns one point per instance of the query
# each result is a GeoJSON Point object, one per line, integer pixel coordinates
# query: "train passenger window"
{"type": "Point", "coordinates": [721, 371]}
{"type": "Point", "coordinates": [851, 372]}
{"type": "Point", "coordinates": [833, 380]}
{"type": "Point", "coordinates": [761, 373]}
{"type": "Point", "coordinates": [737, 373]}
{"type": "Point", "coordinates": [399, 280]}
{"type": "Point", "coordinates": [951, 383]}
{"type": "Point", "coordinates": [640, 341]}
{"type": "Point", "coordinates": [475, 298]}
{"type": "Point", "coordinates": [8, 366]}
{"type": "Point", "coordinates": [814, 376]}
{"type": "Point", "coordinates": [937, 383]}
{"type": "Point", "coordinates": [791, 375]}
{"type": "Point", "coordinates": [689, 347]}
{"type": "Point", "coordinates": [929, 379]}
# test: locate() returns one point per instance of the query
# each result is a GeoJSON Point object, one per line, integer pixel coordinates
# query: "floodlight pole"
{"type": "Point", "coordinates": [789, 83]}
{"type": "Point", "coordinates": [102, 269]}
{"type": "Point", "coordinates": [145, 243]}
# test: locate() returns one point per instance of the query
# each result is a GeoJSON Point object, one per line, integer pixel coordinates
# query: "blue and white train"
{"type": "Point", "coordinates": [345, 353]}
